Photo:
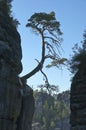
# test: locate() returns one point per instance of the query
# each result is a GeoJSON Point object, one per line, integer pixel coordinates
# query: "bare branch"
{"type": "Point", "coordinates": [52, 50]}
{"type": "Point", "coordinates": [52, 39]}
{"type": "Point", "coordinates": [47, 85]}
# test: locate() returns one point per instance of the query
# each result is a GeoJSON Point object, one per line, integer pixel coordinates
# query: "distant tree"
{"type": "Point", "coordinates": [78, 59]}
{"type": "Point", "coordinates": [52, 89]}
{"type": "Point", "coordinates": [48, 28]}
{"type": "Point", "coordinates": [54, 111]}
{"type": "Point", "coordinates": [52, 125]}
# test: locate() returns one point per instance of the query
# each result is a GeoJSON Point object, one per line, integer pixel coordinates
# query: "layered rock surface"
{"type": "Point", "coordinates": [16, 98]}
{"type": "Point", "coordinates": [78, 101]}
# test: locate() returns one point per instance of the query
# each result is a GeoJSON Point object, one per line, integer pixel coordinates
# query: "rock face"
{"type": "Point", "coordinates": [24, 121]}
{"type": "Point", "coordinates": [78, 101]}
{"type": "Point", "coordinates": [16, 98]}
{"type": "Point", "coordinates": [10, 43]}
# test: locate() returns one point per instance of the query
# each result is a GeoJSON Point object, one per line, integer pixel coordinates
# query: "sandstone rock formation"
{"type": "Point", "coordinates": [78, 100]}
{"type": "Point", "coordinates": [16, 98]}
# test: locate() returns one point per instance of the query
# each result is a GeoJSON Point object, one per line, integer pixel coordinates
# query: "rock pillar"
{"type": "Point", "coordinates": [16, 99]}
{"type": "Point", "coordinates": [78, 101]}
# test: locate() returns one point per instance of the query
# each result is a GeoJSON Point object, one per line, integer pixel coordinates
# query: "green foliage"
{"type": "Point", "coordinates": [54, 109]}
{"type": "Point", "coordinates": [52, 89]}
{"type": "Point", "coordinates": [6, 6]}
{"type": "Point", "coordinates": [6, 11]}
{"type": "Point", "coordinates": [44, 21]}
{"type": "Point", "coordinates": [78, 60]}
{"type": "Point", "coordinates": [57, 63]}
{"type": "Point", "coordinates": [52, 125]}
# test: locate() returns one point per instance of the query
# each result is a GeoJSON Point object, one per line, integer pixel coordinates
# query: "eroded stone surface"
{"type": "Point", "coordinates": [16, 99]}
{"type": "Point", "coordinates": [78, 101]}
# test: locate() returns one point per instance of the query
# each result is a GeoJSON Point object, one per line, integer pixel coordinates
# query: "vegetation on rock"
{"type": "Point", "coordinates": [78, 59]}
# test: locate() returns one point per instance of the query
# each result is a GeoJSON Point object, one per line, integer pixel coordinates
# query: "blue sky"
{"type": "Point", "coordinates": [70, 14]}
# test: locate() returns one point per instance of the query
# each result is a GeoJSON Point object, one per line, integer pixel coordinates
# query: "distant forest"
{"type": "Point", "coordinates": [51, 112]}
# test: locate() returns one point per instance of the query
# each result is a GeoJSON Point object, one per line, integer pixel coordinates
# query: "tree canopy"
{"type": "Point", "coordinates": [78, 59]}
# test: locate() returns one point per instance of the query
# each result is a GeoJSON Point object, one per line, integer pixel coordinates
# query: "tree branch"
{"type": "Point", "coordinates": [51, 38]}
{"type": "Point", "coordinates": [46, 79]}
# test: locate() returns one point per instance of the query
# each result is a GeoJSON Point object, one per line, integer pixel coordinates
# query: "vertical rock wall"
{"type": "Point", "coordinates": [78, 101]}
{"type": "Point", "coordinates": [16, 102]}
